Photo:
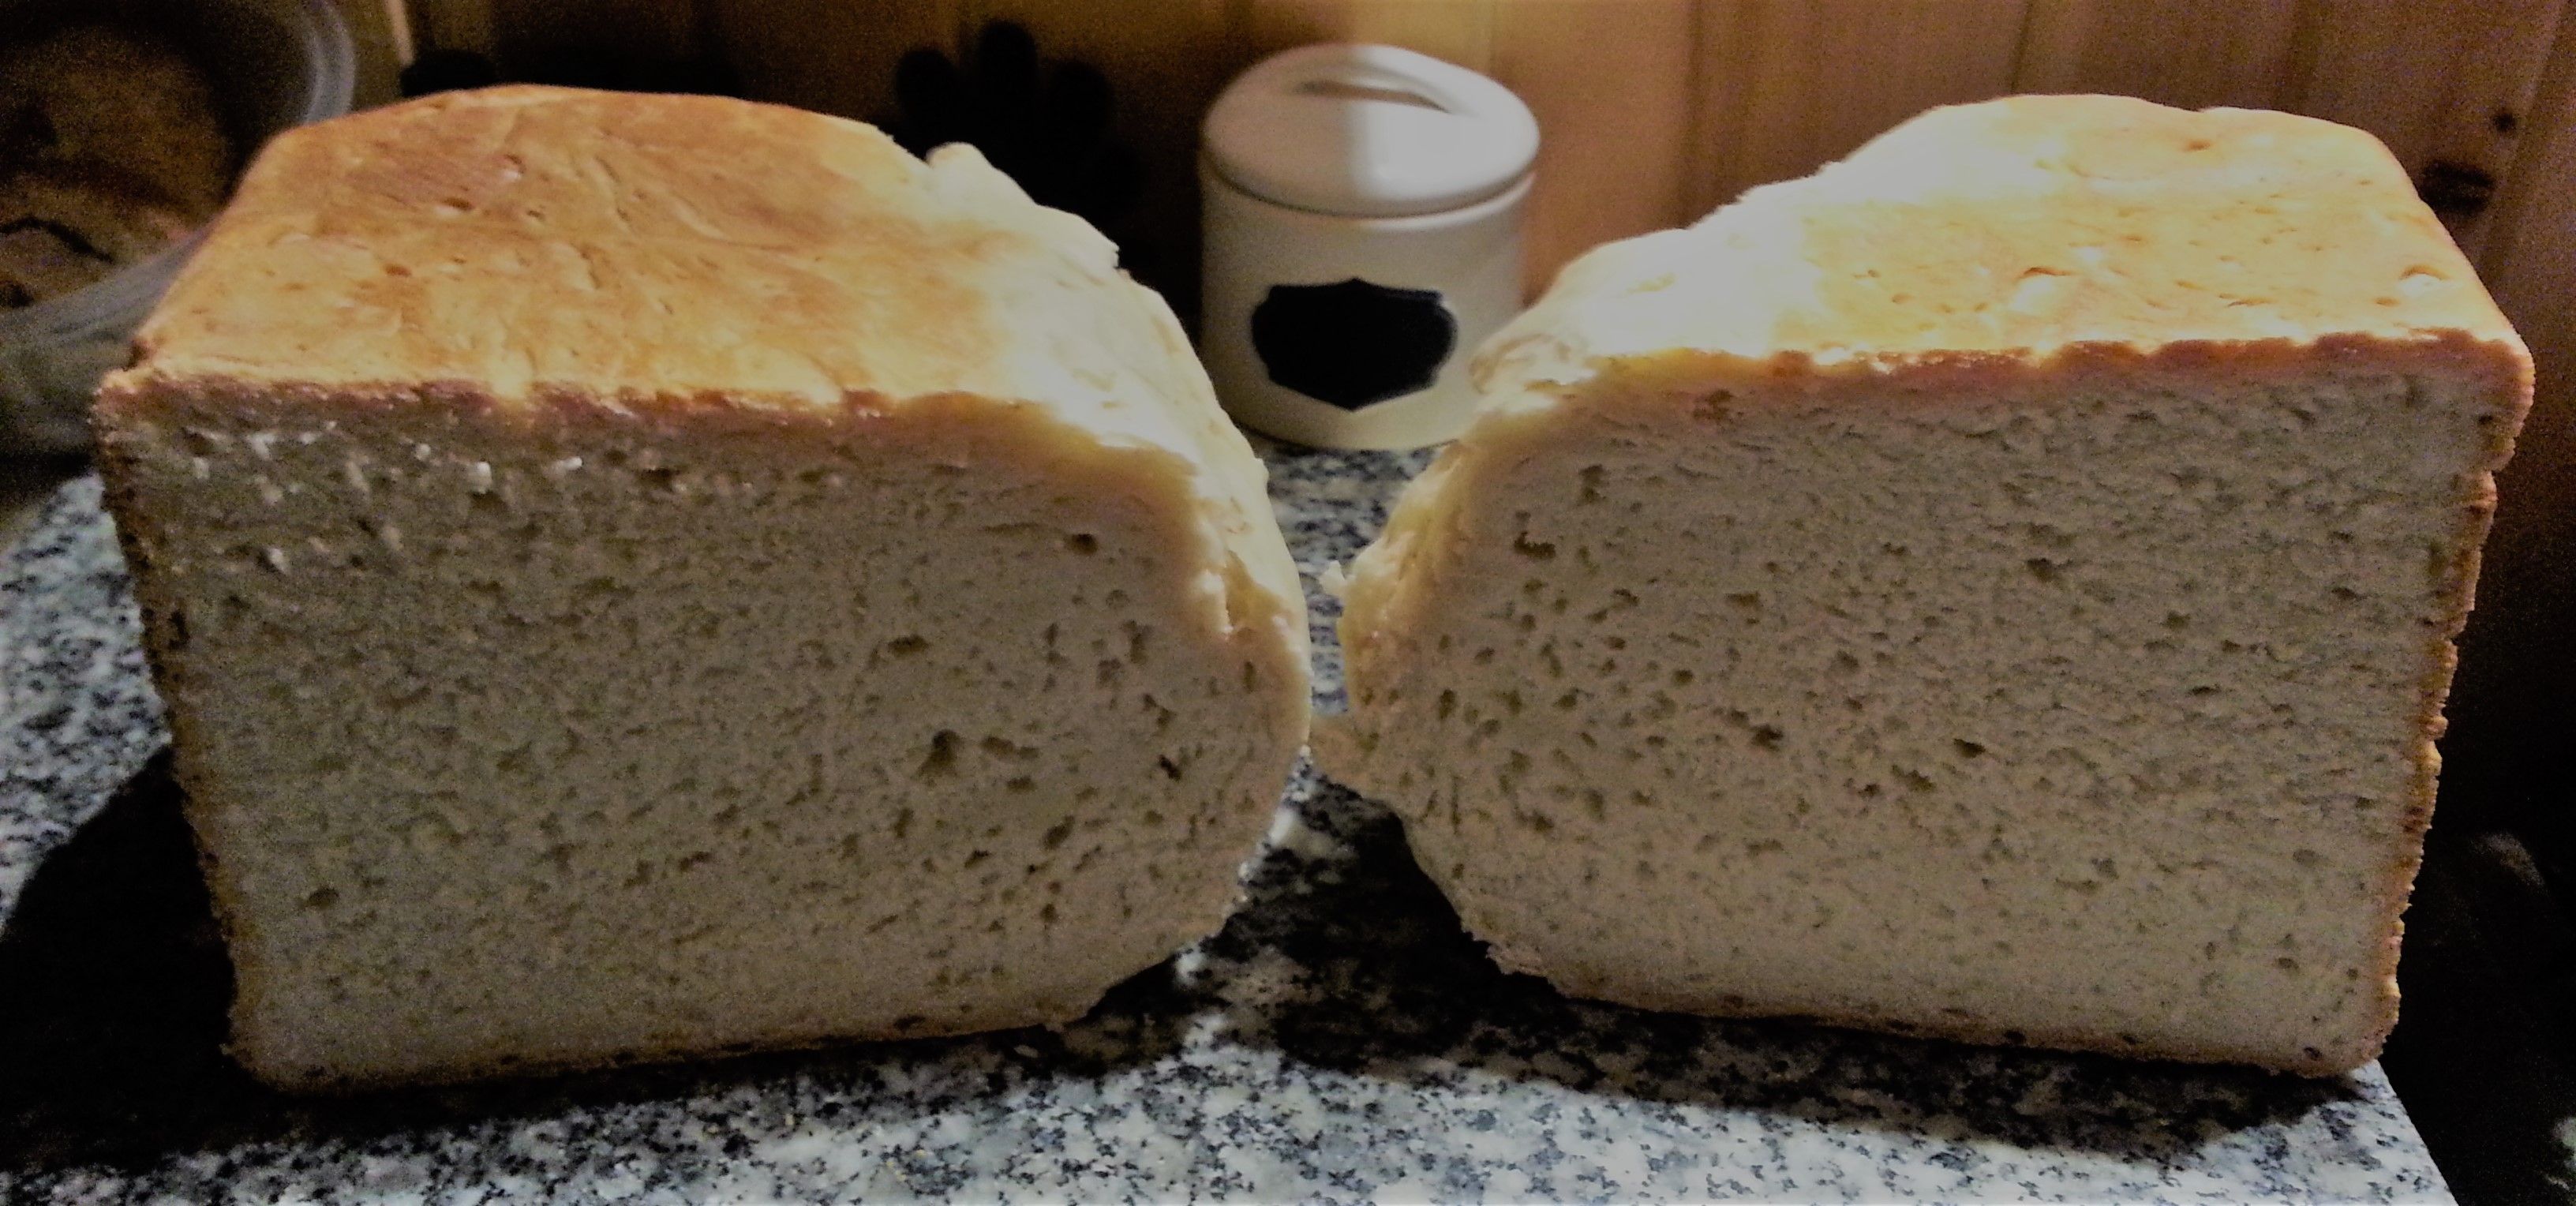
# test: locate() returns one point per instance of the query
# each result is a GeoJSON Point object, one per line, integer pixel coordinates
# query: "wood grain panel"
{"type": "Point", "coordinates": [2446, 86]}
{"type": "Point", "coordinates": [2193, 53]}
{"type": "Point", "coordinates": [524, 32]}
{"type": "Point", "coordinates": [1459, 31]}
{"type": "Point", "coordinates": [1789, 85]}
{"type": "Point", "coordinates": [1610, 81]}
{"type": "Point", "coordinates": [455, 25]}
{"type": "Point", "coordinates": [835, 56]}
{"type": "Point", "coordinates": [380, 30]}
{"type": "Point", "coordinates": [1168, 56]}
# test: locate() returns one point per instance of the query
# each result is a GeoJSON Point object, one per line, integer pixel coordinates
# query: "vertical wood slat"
{"type": "Point", "coordinates": [2446, 86]}
{"type": "Point", "coordinates": [1457, 31]}
{"type": "Point", "coordinates": [514, 32]}
{"type": "Point", "coordinates": [2192, 53]}
{"type": "Point", "coordinates": [455, 25]}
{"type": "Point", "coordinates": [1789, 85]}
{"type": "Point", "coordinates": [834, 56]}
{"type": "Point", "coordinates": [1611, 83]}
{"type": "Point", "coordinates": [399, 32]}
{"type": "Point", "coordinates": [2529, 262]}
{"type": "Point", "coordinates": [381, 33]}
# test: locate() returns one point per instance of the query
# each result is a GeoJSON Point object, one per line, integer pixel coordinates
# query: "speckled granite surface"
{"type": "Point", "coordinates": [1340, 1040]}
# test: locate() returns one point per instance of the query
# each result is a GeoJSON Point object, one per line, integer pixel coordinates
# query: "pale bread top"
{"type": "Point", "coordinates": [2012, 231]}
{"type": "Point", "coordinates": [548, 246]}
{"type": "Point", "coordinates": [525, 237]}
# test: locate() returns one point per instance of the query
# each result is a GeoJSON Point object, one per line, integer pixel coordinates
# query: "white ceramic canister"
{"type": "Point", "coordinates": [1363, 234]}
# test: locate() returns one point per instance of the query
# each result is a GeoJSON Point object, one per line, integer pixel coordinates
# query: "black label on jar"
{"type": "Point", "coordinates": [1352, 344]}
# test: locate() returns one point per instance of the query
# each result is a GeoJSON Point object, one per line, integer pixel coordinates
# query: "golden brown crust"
{"type": "Point", "coordinates": [525, 236]}
{"type": "Point", "coordinates": [560, 247]}
{"type": "Point", "coordinates": [2021, 228]}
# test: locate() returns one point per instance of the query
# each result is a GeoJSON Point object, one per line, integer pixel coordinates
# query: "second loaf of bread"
{"type": "Point", "coordinates": [646, 576]}
{"type": "Point", "coordinates": [2000, 587]}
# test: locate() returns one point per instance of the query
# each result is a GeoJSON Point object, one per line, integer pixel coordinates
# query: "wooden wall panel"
{"type": "Point", "coordinates": [1786, 86]}
{"type": "Point", "coordinates": [381, 32]}
{"type": "Point", "coordinates": [1611, 84]}
{"type": "Point", "coordinates": [2193, 53]}
{"type": "Point", "coordinates": [454, 25]}
{"type": "Point", "coordinates": [1458, 31]}
{"type": "Point", "coordinates": [516, 33]}
{"type": "Point", "coordinates": [835, 56]}
{"type": "Point", "coordinates": [2446, 86]}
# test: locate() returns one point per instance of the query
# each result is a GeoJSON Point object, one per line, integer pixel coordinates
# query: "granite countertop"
{"type": "Point", "coordinates": [1340, 1040]}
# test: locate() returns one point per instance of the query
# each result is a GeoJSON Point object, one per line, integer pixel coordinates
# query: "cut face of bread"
{"type": "Point", "coordinates": [2000, 587]}
{"type": "Point", "coordinates": [643, 576]}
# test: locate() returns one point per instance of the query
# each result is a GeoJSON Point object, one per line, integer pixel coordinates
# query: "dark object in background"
{"type": "Point", "coordinates": [2455, 190]}
{"type": "Point", "coordinates": [113, 1026]}
{"type": "Point", "coordinates": [1352, 343]}
{"type": "Point", "coordinates": [1045, 124]}
{"type": "Point", "coordinates": [111, 151]}
{"type": "Point", "coordinates": [448, 71]}
{"type": "Point", "coordinates": [2484, 1056]}
{"type": "Point", "coordinates": [572, 67]}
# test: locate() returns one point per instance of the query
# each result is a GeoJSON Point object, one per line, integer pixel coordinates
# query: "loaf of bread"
{"type": "Point", "coordinates": [2000, 587]}
{"type": "Point", "coordinates": [645, 576]}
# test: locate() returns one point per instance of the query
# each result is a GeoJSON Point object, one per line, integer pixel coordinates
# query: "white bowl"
{"type": "Point", "coordinates": [275, 64]}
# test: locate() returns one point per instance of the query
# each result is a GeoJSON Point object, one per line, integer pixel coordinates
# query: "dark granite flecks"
{"type": "Point", "coordinates": [77, 712]}
{"type": "Point", "coordinates": [1340, 1040]}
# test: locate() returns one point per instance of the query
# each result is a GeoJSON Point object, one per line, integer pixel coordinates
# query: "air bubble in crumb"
{"type": "Point", "coordinates": [942, 758]}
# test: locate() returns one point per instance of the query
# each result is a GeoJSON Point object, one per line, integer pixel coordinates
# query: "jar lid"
{"type": "Point", "coordinates": [1368, 131]}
